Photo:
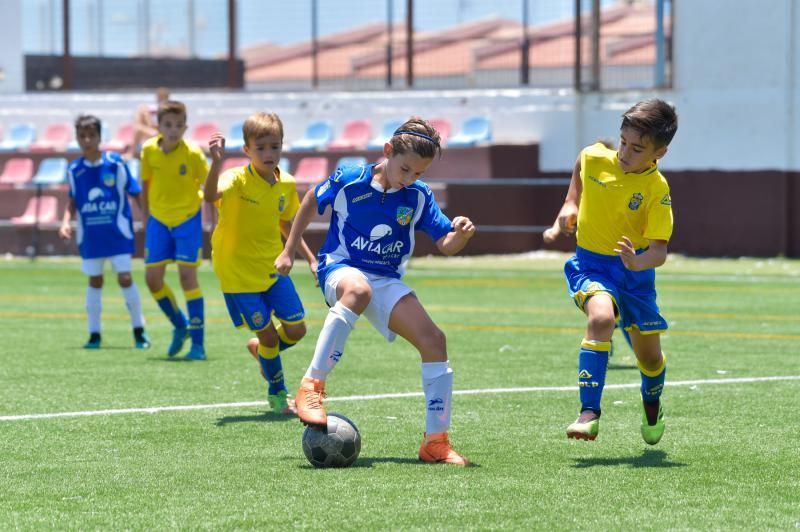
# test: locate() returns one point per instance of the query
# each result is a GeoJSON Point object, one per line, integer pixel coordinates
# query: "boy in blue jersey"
{"type": "Point", "coordinates": [376, 210]}
{"type": "Point", "coordinates": [620, 206]}
{"type": "Point", "coordinates": [99, 185]}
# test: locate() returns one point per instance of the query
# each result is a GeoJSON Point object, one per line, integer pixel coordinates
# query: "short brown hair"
{"type": "Point", "coordinates": [171, 107]}
{"type": "Point", "coordinates": [261, 124]}
{"type": "Point", "coordinates": [654, 119]}
{"type": "Point", "coordinates": [88, 121]}
{"type": "Point", "coordinates": [416, 135]}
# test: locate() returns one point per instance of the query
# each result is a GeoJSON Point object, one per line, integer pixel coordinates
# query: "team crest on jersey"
{"type": "Point", "coordinates": [257, 319]}
{"type": "Point", "coordinates": [635, 201]}
{"type": "Point", "coordinates": [666, 200]}
{"type": "Point", "coordinates": [338, 174]}
{"type": "Point", "coordinates": [109, 179]}
{"type": "Point", "coordinates": [182, 169]}
{"type": "Point", "coordinates": [404, 215]}
{"type": "Point", "coordinates": [282, 203]}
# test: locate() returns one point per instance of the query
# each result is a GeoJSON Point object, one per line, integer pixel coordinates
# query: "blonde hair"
{"type": "Point", "coordinates": [260, 125]}
{"type": "Point", "coordinates": [171, 107]}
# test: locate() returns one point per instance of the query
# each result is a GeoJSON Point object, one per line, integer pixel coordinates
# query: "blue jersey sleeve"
{"type": "Point", "coordinates": [327, 190]}
{"type": "Point", "coordinates": [433, 221]}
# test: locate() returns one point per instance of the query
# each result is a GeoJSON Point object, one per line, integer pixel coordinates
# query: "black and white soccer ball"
{"type": "Point", "coordinates": [336, 445]}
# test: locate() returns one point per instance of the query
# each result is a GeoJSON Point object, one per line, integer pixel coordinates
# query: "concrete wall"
{"type": "Point", "coordinates": [12, 75]}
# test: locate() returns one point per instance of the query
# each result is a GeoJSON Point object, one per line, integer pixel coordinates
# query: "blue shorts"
{"type": "Point", "coordinates": [182, 243]}
{"type": "Point", "coordinates": [633, 293]}
{"type": "Point", "coordinates": [256, 308]}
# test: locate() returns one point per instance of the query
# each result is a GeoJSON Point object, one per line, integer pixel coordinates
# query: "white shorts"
{"type": "Point", "coordinates": [94, 267]}
{"type": "Point", "coordinates": [386, 292]}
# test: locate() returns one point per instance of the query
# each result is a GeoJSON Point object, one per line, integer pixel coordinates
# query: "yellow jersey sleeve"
{"type": "Point", "coordinates": [615, 203]}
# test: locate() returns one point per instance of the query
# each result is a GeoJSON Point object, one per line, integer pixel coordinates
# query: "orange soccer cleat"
{"type": "Point", "coordinates": [436, 448]}
{"type": "Point", "coordinates": [309, 402]}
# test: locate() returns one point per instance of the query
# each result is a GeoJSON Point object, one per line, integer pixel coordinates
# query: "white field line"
{"type": "Point", "coordinates": [526, 389]}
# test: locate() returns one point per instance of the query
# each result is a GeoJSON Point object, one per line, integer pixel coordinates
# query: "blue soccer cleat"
{"type": "Point", "coordinates": [93, 342]}
{"type": "Point", "coordinates": [197, 352]}
{"type": "Point", "coordinates": [179, 337]}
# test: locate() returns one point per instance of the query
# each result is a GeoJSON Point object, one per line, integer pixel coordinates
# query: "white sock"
{"type": "Point", "coordinates": [437, 383]}
{"type": "Point", "coordinates": [94, 306]}
{"type": "Point", "coordinates": [134, 304]}
{"type": "Point", "coordinates": [330, 344]}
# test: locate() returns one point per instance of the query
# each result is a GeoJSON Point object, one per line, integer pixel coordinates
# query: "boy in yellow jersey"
{"type": "Point", "coordinates": [256, 204]}
{"type": "Point", "coordinates": [620, 206]}
{"type": "Point", "coordinates": [173, 172]}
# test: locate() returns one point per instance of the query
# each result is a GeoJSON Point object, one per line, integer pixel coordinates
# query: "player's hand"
{"type": "Point", "coordinates": [313, 267]}
{"type": "Point", "coordinates": [464, 227]}
{"type": "Point", "coordinates": [65, 231]}
{"type": "Point", "coordinates": [216, 146]}
{"type": "Point", "coordinates": [549, 235]}
{"type": "Point", "coordinates": [568, 221]}
{"type": "Point", "coordinates": [284, 263]}
{"type": "Point", "coordinates": [627, 253]}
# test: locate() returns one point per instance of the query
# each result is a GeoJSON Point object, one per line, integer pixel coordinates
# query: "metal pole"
{"type": "Point", "coordinates": [67, 84]}
{"type": "Point", "coordinates": [595, 45]}
{"type": "Point", "coordinates": [526, 45]}
{"type": "Point", "coordinates": [577, 74]}
{"type": "Point", "coordinates": [233, 78]}
{"type": "Point", "coordinates": [389, 24]}
{"type": "Point", "coordinates": [409, 43]}
{"type": "Point", "coordinates": [190, 29]}
{"type": "Point", "coordinates": [660, 63]}
{"type": "Point", "coordinates": [314, 46]}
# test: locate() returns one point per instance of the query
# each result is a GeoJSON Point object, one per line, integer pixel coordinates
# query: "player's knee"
{"type": "Point", "coordinates": [357, 296]}
{"type": "Point", "coordinates": [268, 337]}
{"type": "Point", "coordinates": [295, 331]}
{"type": "Point", "coordinates": [188, 278]}
{"type": "Point", "coordinates": [96, 281]}
{"type": "Point", "coordinates": [124, 279]}
{"type": "Point", "coordinates": [602, 322]}
{"type": "Point", "coordinates": [154, 280]}
{"type": "Point", "coordinates": [435, 340]}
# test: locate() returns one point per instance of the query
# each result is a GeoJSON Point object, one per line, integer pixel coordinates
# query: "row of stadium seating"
{"type": "Point", "coordinates": [18, 172]}
{"type": "Point", "coordinates": [318, 135]}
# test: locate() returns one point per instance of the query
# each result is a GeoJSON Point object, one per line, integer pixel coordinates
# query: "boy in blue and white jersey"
{"type": "Point", "coordinates": [376, 211]}
{"type": "Point", "coordinates": [99, 185]}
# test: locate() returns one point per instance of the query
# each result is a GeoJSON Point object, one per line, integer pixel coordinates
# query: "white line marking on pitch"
{"type": "Point", "coordinates": [181, 408]}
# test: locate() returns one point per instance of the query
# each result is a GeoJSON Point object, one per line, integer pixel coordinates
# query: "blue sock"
{"type": "Point", "coordinates": [271, 364]}
{"type": "Point", "coordinates": [653, 381]}
{"type": "Point", "coordinates": [196, 307]}
{"type": "Point", "coordinates": [592, 364]}
{"type": "Point", "coordinates": [166, 302]}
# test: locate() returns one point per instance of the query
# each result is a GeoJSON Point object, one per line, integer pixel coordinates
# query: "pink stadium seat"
{"type": "Point", "coordinates": [202, 132]}
{"type": "Point", "coordinates": [233, 162]}
{"type": "Point", "coordinates": [55, 138]}
{"type": "Point", "coordinates": [311, 170]}
{"type": "Point", "coordinates": [17, 172]}
{"type": "Point", "coordinates": [46, 206]}
{"type": "Point", "coordinates": [355, 136]}
{"type": "Point", "coordinates": [121, 140]}
{"type": "Point", "coordinates": [443, 126]}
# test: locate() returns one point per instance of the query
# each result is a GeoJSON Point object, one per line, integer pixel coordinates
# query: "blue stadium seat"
{"type": "Point", "coordinates": [19, 137]}
{"type": "Point", "coordinates": [234, 141]}
{"type": "Point", "coordinates": [351, 161]}
{"type": "Point", "coordinates": [135, 168]}
{"type": "Point", "coordinates": [388, 129]}
{"type": "Point", "coordinates": [317, 137]}
{"type": "Point", "coordinates": [475, 129]}
{"type": "Point", "coordinates": [285, 165]}
{"type": "Point", "coordinates": [52, 171]}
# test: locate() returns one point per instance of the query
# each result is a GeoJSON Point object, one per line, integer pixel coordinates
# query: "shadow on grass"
{"type": "Point", "coordinates": [612, 366]}
{"type": "Point", "coordinates": [264, 417]}
{"type": "Point", "coordinates": [367, 462]}
{"type": "Point", "coordinates": [649, 458]}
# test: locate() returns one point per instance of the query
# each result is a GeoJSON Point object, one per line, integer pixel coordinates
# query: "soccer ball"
{"type": "Point", "coordinates": [336, 445]}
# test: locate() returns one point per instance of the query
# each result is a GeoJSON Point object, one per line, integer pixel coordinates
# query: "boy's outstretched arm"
{"type": "Point", "coordinates": [455, 240]}
{"type": "Point", "coordinates": [305, 251]}
{"type": "Point", "coordinates": [567, 219]}
{"type": "Point", "coordinates": [655, 256]}
{"type": "Point", "coordinates": [303, 217]}
{"type": "Point", "coordinates": [216, 148]}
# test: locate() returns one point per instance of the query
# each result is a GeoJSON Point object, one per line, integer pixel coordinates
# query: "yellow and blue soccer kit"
{"type": "Point", "coordinates": [174, 231]}
{"type": "Point", "coordinates": [245, 244]}
{"type": "Point", "coordinates": [614, 204]}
